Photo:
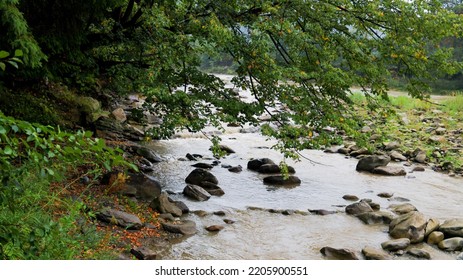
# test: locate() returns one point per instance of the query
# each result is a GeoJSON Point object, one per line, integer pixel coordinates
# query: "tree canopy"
{"type": "Point", "coordinates": [300, 56]}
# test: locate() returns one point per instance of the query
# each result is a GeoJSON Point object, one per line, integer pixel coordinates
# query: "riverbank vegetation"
{"type": "Point", "coordinates": [66, 66]}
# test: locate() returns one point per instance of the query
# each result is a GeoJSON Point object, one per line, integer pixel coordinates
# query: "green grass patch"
{"type": "Point", "coordinates": [454, 104]}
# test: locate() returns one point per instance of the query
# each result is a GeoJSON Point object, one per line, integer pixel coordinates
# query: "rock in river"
{"type": "Point", "coordinates": [390, 171]}
{"type": "Point", "coordinates": [163, 205]}
{"type": "Point", "coordinates": [197, 176]}
{"type": "Point", "coordinates": [282, 181]}
{"type": "Point", "coordinates": [453, 227]}
{"type": "Point", "coordinates": [255, 164]}
{"type": "Point", "coordinates": [371, 253]}
{"type": "Point", "coordinates": [410, 225]}
{"type": "Point", "coordinates": [273, 168]}
{"type": "Point", "coordinates": [451, 244]}
{"type": "Point", "coordinates": [196, 193]}
{"type": "Point", "coordinates": [396, 244]}
{"type": "Point", "coordinates": [402, 208]}
{"type": "Point", "coordinates": [358, 208]}
{"type": "Point", "coordinates": [369, 163]}
{"type": "Point", "coordinates": [338, 254]}
{"type": "Point", "coordinates": [377, 217]}
{"type": "Point", "coordinates": [214, 228]}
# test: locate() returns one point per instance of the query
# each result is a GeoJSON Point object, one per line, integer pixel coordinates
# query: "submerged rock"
{"type": "Point", "coordinates": [214, 228]}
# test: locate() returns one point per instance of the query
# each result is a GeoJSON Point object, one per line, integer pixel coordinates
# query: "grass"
{"type": "Point", "coordinates": [454, 104]}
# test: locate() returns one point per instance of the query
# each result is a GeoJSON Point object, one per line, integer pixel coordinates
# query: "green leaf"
{"type": "Point", "coordinates": [18, 53]}
{"type": "Point", "coordinates": [7, 150]}
{"type": "Point", "coordinates": [15, 128]}
{"type": "Point", "coordinates": [4, 54]}
{"type": "Point", "coordinates": [2, 66]}
{"type": "Point", "coordinates": [2, 130]}
{"type": "Point", "coordinates": [14, 64]}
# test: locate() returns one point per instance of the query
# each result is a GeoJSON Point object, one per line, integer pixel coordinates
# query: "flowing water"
{"type": "Point", "coordinates": [259, 234]}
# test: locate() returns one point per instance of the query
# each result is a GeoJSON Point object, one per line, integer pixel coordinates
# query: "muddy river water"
{"type": "Point", "coordinates": [260, 234]}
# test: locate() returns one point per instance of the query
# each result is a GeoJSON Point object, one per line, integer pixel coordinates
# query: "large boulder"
{"type": "Point", "coordinates": [120, 218]}
{"type": "Point", "coordinates": [369, 163]}
{"type": "Point", "coordinates": [338, 254]}
{"type": "Point", "coordinates": [142, 186]}
{"type": "Point", "coordinates": [358, 208]}
{"type": "Point", "coordinates": [148, 154]}
{"type": "Point", "coordinates": [185, 227]}
{"type": "Point", "coordinates": [196, 192]}
{"type": "Point", "coordinates": [410, 225]}
{"type": "Point", "coordinates": [453, 227]}
{"type": "Point", "coordinates": [255, 164]}
{"type": "Point", "coordinates": [164, 205]}
{"type": "Point", "coordinates": [281, 180]}
{"type": "Point", "coordinates": [198, 176]}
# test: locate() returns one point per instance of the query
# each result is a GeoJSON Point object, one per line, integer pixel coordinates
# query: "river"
{"type": "Point", "coordinates": [259, 234]}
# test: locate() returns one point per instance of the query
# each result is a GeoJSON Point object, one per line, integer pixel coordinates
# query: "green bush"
{"type": "Point", "coordinates": [36, 223]}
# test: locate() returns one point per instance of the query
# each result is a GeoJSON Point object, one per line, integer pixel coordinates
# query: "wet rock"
{"type": "Point", "coordinates": [282, 181]}
{"type": "Point", "coordinates": [142, 186]}
{"type": "Point", "coordinates": [190, 157]}
{"type": "Point", "coordinates": [228, 221]}
{"type": "Point", "coordinates": [273, 168]}
{"type": "Point", "coordinates": [350, 197]}
{"type": "Point", "coordinates": [358, 208]}
{"type": "Point", "coordinates": [338, 254]}
{"type": "Point", "coordinates": [460, 257]}
{"type": "Point", "coordinates": [371, 253]}
{"type": "Point", "coordinates": [203, 165]}
{"type": "Point", "coordinates": [200, 213]}
{"type": "Point", "coordinates": [196, 192]}
{"type": "Point", "coordinates": [385, 195]}
{"type": "Point", "coordinates": [321, 212]}
{"type": "Point", "coordinates": [369, 163]}
{"type": "Point", "coordinates": [419, 253]}
{"type": "Point", "coordinates": [435, 237]}
{"type": "Point", "coordinates": [219, 213]}
{"type": "Point", "coordinates": [143, 253]}
{"type": "Point", "coordinates": [227, 166]}
{"type": "Point", "coordinates": [149, 154]}
{"type": "Point", "coordinates": [453, 227]}
{"type": "Point", "coordinates": [396, 244]}
{"type": "Point", "coordinates": [185, 227]}
{"type": "Point", "coordinates": [418, 169]}
{"type": "Point", "coordinates": [377, 217]}
{"type": "Point", "coordinates": [389, 171]}
{"type": "Point", "coordinates": [120, 218]}
{"type": "Point", "coordinates": [410, 225]}
{"type": "Point", "coordinates": [432, 225]}
{"type": "Point", "coordinates": [375, 206]}
{"type": "Point", "coordinates": [214, 228]}
{"type": "Point", "coordinates": [451, 244]}
{"type": "Point", "coordinates": [198, 176]}
{"type": "Point", "coordinates": [256, 163]}
{"type": "Point", "coordinates": [402, 208]}
{"type": "Point", "coordinates": [163, 205]}
{"type": "Point", "coordinates": [397, 156]}
{"type": "Point", "coordinates": [343, 150]}
{"type": "Point", "coordinates": [212, 189]}
{"type": "Point", "coordinates": [236, 169]}
{"type": "Point", "coordinates": [182, 206]}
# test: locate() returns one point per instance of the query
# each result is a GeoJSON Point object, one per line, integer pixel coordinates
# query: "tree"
{"type": "Point", "coordinates": [299, 55]}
